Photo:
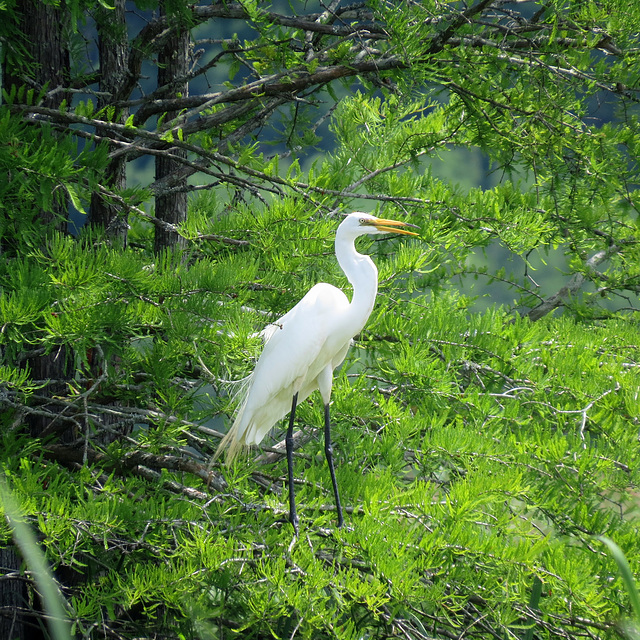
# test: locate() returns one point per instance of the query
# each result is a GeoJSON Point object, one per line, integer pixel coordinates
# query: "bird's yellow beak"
{"type": "Point", "coordinates": [393, 226]}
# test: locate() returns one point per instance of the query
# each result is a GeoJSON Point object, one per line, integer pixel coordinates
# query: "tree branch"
{"type": "Point", "coordinates": [133, 459]}
{"type": "Point", "coordinates": [573, 286]}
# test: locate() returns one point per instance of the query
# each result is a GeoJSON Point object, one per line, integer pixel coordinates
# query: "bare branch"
{"type": "Point", "coordinates": [573, 286]}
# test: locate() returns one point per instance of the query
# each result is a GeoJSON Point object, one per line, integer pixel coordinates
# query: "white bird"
{"type": "Point", "coordinates": [303, 348]}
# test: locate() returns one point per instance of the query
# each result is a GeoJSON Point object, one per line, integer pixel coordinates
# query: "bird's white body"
{"type": "Point", "coordinates": [304, 346]}
{"type": "Point", "coordinates": [311, 356]}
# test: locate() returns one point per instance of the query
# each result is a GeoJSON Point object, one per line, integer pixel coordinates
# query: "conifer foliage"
{"type": "Point", "coordinates": [486, 421]}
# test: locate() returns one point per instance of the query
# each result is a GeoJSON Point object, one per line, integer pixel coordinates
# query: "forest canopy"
{"type": "Point", "coordinates": [173, 175]}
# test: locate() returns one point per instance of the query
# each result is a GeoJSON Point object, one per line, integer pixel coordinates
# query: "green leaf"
{"type": "Point", "coordinates": [75, 199]}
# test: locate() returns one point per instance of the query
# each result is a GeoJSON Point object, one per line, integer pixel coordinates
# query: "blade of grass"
{"type": "Point", "coordinates": [534, 602]}
{"type": "Point", "coordinates": [627, 575]}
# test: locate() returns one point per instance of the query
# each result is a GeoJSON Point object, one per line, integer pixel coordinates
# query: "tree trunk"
{"type": "Point", "coordinates": [44, 28]}
{"type": "Point", "coordinates": [173, 66]}
{"type": "Point", "coordinates": [114, 59]}
{"type": "Point", "coordinates": [45, 67]}
{"type": "Point", "coordinates": [13, 595]}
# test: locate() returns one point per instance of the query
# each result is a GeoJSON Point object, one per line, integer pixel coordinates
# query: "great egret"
{"type": "Point", "coordinates": [303, 348]}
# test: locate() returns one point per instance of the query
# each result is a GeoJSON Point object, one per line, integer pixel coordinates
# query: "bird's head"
{"type": "Point", "coordinates": [359, 223]}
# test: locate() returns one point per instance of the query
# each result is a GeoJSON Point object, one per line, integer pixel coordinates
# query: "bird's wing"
{"type": "Point", "coordinates": [311, 302]}
{"type": "Point", "coordinates": [298, 347]}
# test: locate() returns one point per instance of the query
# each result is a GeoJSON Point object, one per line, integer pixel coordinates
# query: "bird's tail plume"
{"type": "Point", "coordinates": [233, 442]}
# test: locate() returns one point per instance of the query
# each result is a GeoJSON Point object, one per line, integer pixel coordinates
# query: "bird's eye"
{"type": "Point", "coordinates": [363, 221]}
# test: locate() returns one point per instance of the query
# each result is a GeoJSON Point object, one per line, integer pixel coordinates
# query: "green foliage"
{"type": "Point", "coordinates": [486, 418]}
{"type": "Point", "coordinates": [43, 172]}
{"type": "Point", "coordinates": [477, 450]}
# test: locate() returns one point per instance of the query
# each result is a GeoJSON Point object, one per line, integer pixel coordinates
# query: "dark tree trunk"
{"type": "Point", "coordinates": [114, 59]}
{"type": "Point", "coordinates": [56, 368]}
{"type": "Point", "coordinates": [45, 66]}
{"type": "Point", "coordinates": [47, 62]}
{"type": "Point", "coordinates": [173, 66]}
{"type": "Point", "coordinates": [13, 595]}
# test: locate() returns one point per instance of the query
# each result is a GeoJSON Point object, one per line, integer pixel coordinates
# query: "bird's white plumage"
{"type": "Point", "coordinates": [303, 347]}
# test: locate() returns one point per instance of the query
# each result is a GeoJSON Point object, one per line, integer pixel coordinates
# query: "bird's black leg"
{"type": "Point", "coordinates": [293, 515]}
{"type": "Point", "coordinates": [328, 452]}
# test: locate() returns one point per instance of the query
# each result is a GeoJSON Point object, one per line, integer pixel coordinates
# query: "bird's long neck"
{"type": "Point", "coordinates": [363, 276]}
